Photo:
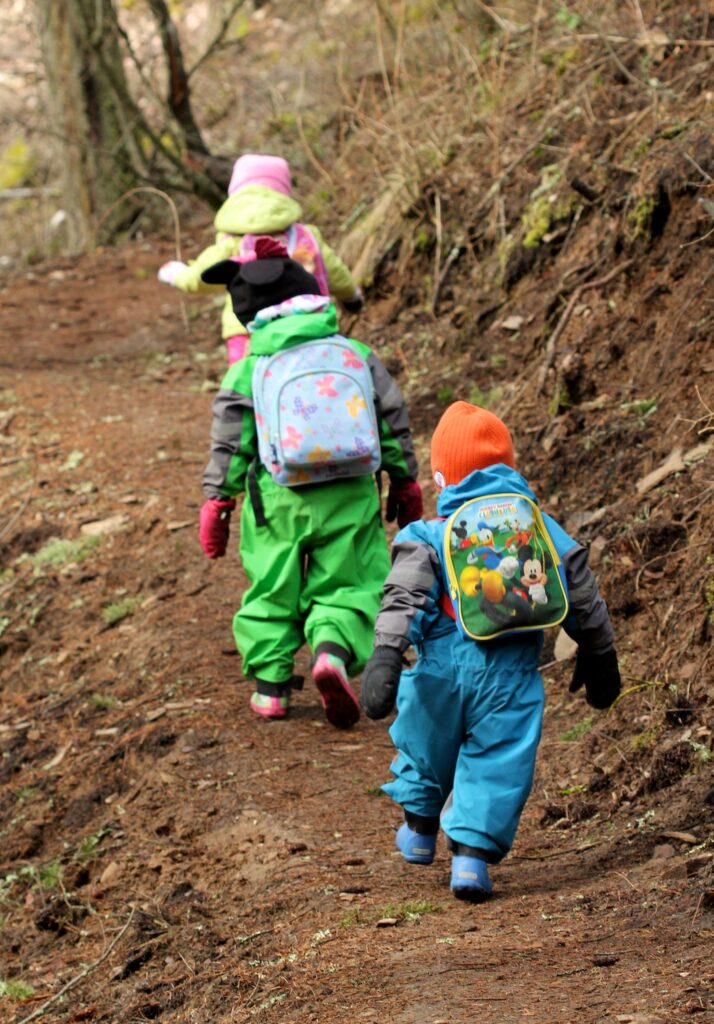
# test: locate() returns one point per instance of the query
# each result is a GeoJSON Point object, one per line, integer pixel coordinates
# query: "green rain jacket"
{"type": "Point", "coordinates": [234, 440]}
{"type": "Point", "coordinates": [257, 210]}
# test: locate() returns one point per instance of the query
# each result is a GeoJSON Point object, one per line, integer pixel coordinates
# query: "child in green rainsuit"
{"type": "Point", "coordinates": [312, 541]}
{"type": "Point", "coordinates": [260, 203]}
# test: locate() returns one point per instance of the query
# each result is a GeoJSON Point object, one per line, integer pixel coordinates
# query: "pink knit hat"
{"type": "Point", "coordinates": [256, 169]}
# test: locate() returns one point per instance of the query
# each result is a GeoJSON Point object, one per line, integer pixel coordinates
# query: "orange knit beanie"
{"type": "Point", "coordinates": [468, 438]}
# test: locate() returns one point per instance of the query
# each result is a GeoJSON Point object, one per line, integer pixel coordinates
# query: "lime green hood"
{"type": "Point", "coordinates": [286, 331]}
{"type": "Point", "coordinates": [257, 210]}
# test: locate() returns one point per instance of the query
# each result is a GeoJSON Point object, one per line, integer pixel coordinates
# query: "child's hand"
{"type": "Point", "coordinates": [355, 304]}
{"type": "Point", "coordinates": [170, 271]}
{"type": "Point", "coordinates": [600, 675]}
{"type": "Point", "coordinates": [214, 526]}
{"type": "Point", "coordinates": [380, 680]}
{"type": "Point", "coordinates": [404, 502]}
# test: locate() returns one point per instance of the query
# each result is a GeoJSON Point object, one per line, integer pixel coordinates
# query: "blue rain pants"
{"type": "Point", "coordinates": [469, 721]}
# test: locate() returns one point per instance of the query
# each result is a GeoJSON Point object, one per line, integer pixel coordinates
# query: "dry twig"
{"type": "Point", "coordinates": [550, 347]}
{"type": "Point", "coordinates": [84, 973]}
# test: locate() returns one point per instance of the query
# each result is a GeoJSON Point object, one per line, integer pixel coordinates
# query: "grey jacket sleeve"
{"type": "Point", "coordinates": [398, 457]}
{"type": "Point", "coordinates": [588, 621]}
{"type": "Point", "coordinates": [233, 444]}
{"type": "Point", "coordinates": [412, 586]}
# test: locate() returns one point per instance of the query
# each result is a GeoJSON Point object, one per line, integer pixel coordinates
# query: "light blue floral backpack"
{"type": "Point", "coordinates": [315, 413]}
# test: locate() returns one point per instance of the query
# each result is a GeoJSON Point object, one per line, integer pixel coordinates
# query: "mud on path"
{"type": "Point", "coordinates": [181, 861]}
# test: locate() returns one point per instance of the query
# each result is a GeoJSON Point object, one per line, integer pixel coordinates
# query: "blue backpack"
{"type": "Point", "coordinates": [315, 413]}
{"type": "Point", "coordinates": [502, 568]}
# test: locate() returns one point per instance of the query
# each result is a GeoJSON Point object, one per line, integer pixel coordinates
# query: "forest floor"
{"type": "Point", "coordinates": [164, 855]}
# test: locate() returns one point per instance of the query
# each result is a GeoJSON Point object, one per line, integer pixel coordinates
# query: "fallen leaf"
{"type": "Point", "coordinates": [564, 647]}
{"type": "Point", "coordinates": [512, 323]}
{"type": "Point", "coordinates": [673, 464]}
{"type": "Point", "coordinates": [57, 759]}
{"type": "Point", "coordinates": [101, 527]}
{"type": "Point", "coordinates": [179, 524]}
{"type": "Point", "coordinates": [655, 41]}
{"type": "Point", "coordinates": [677, 462]}
{"type": "Point", "coordinates": [110, 873]}
{"type": "Point", "coordinates": [683, 837]}
{"type": "Point", "coordinates": [15, 728]}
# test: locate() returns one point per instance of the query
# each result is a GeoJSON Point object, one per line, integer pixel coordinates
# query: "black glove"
{"type": "Point", "coordinates": [380, 680]}
{"type": "Point", "coordinates": [355, 304]}
{"type": "Point", "coordinates": [600, 675]}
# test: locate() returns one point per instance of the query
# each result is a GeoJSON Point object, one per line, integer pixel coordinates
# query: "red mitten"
{"type": "Point", "coordinates": [404, 502]}
{"type": "Point", "coordinates": [213, 527]}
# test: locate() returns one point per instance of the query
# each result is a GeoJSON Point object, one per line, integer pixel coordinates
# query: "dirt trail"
{"type": "Point", "coordinates": [254, 861]}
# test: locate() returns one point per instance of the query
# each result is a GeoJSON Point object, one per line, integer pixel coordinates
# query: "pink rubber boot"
{"type": "Point", "coordinates": [338, 699]}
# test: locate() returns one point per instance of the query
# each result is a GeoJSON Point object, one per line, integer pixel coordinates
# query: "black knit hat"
{"type": "Point", "coordinates": [262, 282]}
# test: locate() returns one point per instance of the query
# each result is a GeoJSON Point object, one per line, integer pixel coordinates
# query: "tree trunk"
{"type": "Point", "coordinates": [97, 145]}
{"type": "Point", "coordinates": [105, 145]}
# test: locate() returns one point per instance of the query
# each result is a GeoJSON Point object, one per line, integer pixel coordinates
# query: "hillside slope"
{"type": "Point", "coordinates": [532, 208]}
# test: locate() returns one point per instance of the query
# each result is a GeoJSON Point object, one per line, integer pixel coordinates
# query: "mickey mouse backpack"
{"type": "Point", "coordinates": [502, 568]}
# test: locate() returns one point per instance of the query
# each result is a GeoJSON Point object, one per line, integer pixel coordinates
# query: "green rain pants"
{"type": "Point", "coordinates": [316, 569]}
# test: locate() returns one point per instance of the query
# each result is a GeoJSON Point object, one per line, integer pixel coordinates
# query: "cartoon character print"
{"type": "Point", "coordinates": [460, 536]}
{"type": "Point", "coordinates": [520, 536]}
{"type": "Point", "coordinates": [484, 547]}
{"type": "Point", "coordinates": [533, 574]}
{"type": "Point", "coordinates": [502, 599]}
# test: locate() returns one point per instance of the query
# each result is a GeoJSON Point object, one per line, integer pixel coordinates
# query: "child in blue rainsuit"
{"type": "Point", "coordinates": [469, 711]}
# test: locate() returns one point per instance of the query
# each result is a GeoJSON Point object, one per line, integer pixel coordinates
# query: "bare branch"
{"type": "Point", "coordinates": [217, 39]}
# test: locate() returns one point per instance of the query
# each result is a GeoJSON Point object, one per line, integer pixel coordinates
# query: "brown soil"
{"type": "Point", "coordinates": [166, 856]}
{"type": "Point", "coordinates": [246, 869]}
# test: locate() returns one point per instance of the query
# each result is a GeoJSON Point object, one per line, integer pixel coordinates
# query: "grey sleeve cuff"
{"type": "Point", "coordinates": [588, 621]}
{"type": "Point", "coordinates": [393, 409]}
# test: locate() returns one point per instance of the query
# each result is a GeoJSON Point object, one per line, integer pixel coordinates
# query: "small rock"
{"type": "Point", "coordinates": [663, 852]}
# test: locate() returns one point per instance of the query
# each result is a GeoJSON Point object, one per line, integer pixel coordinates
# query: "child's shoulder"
{"type": "Point", "coordinates": [423, 531]}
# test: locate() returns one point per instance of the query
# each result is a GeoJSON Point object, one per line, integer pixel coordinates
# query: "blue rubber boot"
{"type": "Point", "coordinates": [415, 848]}
{"type": "Point", "coordinates": [469, 879]}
